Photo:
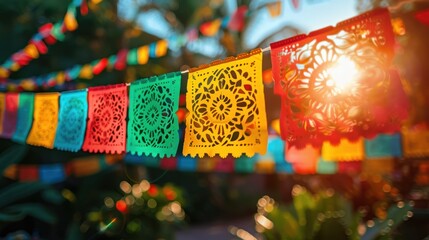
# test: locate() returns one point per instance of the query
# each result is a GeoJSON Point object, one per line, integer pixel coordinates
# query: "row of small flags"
{"type": "Point", "coordinates": [48, 34]}
{"type": "Point", "coordinates": [119, 61]}
{"type": "Point", "coordinates": [378, 156]}
{"type": "Point", "coordinates": [51, 33]}
{"type": "Point", "coordinates": [347, 157]}
{"type": "Point", "coordinates": [59, 172]}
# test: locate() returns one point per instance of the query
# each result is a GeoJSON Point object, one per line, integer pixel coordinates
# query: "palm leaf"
{"type": "Point", "coordinates": [12, 155]}
{"type": "Point", "coordinates": [35, 210]}
{"type": "Point", "coordinates": [17, 191]}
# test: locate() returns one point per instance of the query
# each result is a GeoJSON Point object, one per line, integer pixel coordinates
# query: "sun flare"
{"type": "Point", "coordinates": [343, 75]}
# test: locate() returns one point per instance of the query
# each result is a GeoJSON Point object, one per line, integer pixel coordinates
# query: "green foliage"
{"type": "Point", "coordinates": [325, 215]}
{"type": "Point", "coordinates": [17, 212]}
{"type": "Point", "coordinates": [395, 216]}
{"type": "Point", "coordinates": [12, 207]}
{"type": "Point", "coordinates": [17, 191]}
{"type": "Point", "coordinates": [12, 155]}
{"type": "Point", "coordinates": [155, 213]}
{"type": "Point", "coordinates": [143, 211]}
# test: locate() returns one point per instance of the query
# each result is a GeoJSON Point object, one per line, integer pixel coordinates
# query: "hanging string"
{"type": "Point", "coordinates": [135, 56]}
{"type": "Point", "coordinates": [56, 79]}
{"type": "Point", "coordinates": [158, 178]}
{"type": "Point", "coordinates": [155, 49]}
{"type": "Point", "coordinates": [267, 49]}
{"type": "Point", "coordinates": [232, 22]}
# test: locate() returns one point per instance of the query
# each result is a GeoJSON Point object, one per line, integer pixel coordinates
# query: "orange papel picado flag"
{"type": "Point", "coordinates": [45, 120]}
{"type": "Point", "coordinates": [226, 108]}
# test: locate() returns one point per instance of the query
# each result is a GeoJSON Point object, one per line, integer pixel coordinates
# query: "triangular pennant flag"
{"type": "Point", "coordinates": [210, 28]}
{"type": "Point", "coordinates": [142, 55]}
{"type": "Point", "coordinates": [45, 120]}
{"type": "Point", "coordinates": [86, 72]}
{"type": "Point", "coordinates": [4, 73]}
{"type": "Point", "coordinates": [60, 78]}
{"type": "Point", "coordinates": [45, 30]}
{"type": "Point", "coordinates": [161, 48]}
{"type": "Point", "coordinates": [111, 61]}
{"type": "Point", "coordinates": [49, 39]}
{"type": "Point", "coordinates": [72, 120]}
{"type": "Point", "coordinates": [237, 21]}
{"type": "Point", "coordinates": [132, 57]}
{"type": "Point", "coordinates": [31, 50]}
{"type": "Point", "coordinates": [28, 84]}
{"type": "Point", "coordinates": [226, 108]}
{"type": "Point", "coordinates": [274, 9]}
{"type": "Point", "coordinates": [57, 33]}
{"type": "Point", "coordinates": [74, 72]}
{"type": "Point", "coordinates": [84, 7]}
{"type": "Point", "coordinates": [121, 60]}
{"type": "Point", "coordinates": [100, 66]}
{"type": "Point", "coordinates": [70, 20]}
{"type": "Point", "coordinates": [295, 3]}
{"type": "Point", "coordinates": [8, 63]}
{"type": "Point", "coordinates": [153, 127]}
{"type": "Point", "coordinates": [40, 45]}
{"type": "Point", "coordinates": [107, 111]}
{"type": "Point", "coordinates": [22, 60]}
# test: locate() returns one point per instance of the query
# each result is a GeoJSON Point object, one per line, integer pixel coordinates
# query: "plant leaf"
{"type": "Point", "coordinates": [12, 155]}
{"type": "Point", "coordinates": [35, 210]}
{"type": "Point", "coordinates": [16, 191]}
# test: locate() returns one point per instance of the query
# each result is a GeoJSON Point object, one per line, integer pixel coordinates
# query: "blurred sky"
{"type": "Point", "coordinates": [303, 15]}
